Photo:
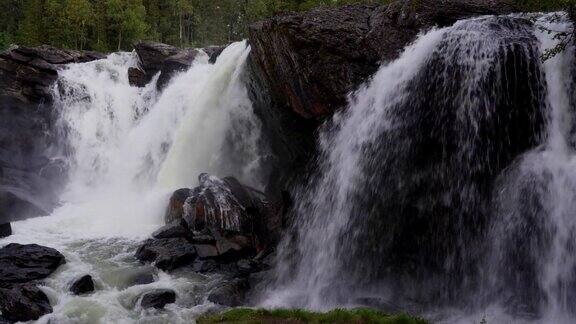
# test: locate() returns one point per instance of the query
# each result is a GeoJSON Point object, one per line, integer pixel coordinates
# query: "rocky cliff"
{"type": "Point", "coordinates": [304, 65]}
{"type": "Point", "coordinates": [27, 173]}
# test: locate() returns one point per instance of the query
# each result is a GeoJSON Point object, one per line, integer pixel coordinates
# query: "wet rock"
{"type": "Point", "coordinates": [158, 298]}
{"type": "Point", "coordinates": [175, 211]}
{"type": "Point", "coordinates": [206, 251]}
{"type": "Point", "coordinates": [26, 77]}
{"type": "Point", "coordinates": [153, 54]}
{"type": "Point", "coordinates": [5, 230]}
{"type": "Point", "coordinates": [228, 206]}
{"type": "Point", "coordinates": [176, 63]}
{"type": "Point", "coordinates": [128, 277]}
{"type": "Point", "coordinates": [231, 293]}
{"type": "Point", "coordinates": [173, 230]}
{"type": "Point", "coordinates": [23, 303]}
{"type": "Point", "coordinates": [214, 52]}
{"type": "Point", "coordinates": [137, 77]}
{"type": "Point", "coordinates": [25, 263]}
{"type": "Point", "coordinates": [84, 285]}
{"type": "Point", "coordinates": [167, 254]}
{"type": "Point", "coordinates": [303, 66]}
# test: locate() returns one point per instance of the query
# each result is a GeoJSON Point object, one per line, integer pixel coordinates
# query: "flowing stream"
{"type": "Point", "coordinates": [127, 149]}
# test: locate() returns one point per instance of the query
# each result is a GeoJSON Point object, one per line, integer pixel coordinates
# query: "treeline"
{"type": "Point", "coordinates": [110, 25]}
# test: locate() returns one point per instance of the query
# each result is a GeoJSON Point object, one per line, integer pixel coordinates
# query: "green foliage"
{"type": "Point", "coordinates": [109, 25]}
{"type": "Point", "coordinates": [360, 316]}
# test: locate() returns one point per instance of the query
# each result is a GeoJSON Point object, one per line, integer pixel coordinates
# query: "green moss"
{"type": "Point", "coordinates": [297, 316]}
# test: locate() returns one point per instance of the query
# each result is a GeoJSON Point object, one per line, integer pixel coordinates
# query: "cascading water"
{"type": "Point", "coordinates": [420, 197]}
{"type": "Point", "coordinates": [127, 149]}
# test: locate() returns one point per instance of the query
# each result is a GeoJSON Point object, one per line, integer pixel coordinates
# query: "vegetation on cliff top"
{"type": "Point", "coordinates": [360, 316]}
{"type": "Point", "coordinates": [109, 25]}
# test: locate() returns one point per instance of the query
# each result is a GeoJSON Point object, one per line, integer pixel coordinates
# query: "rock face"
{"type": "Point", "coordinates": [5, 230]}
{"type": "Point", "coordinates": [23, 303]}
{"type": "Point", "coordinates": [25, 263]}
{"type": "Point", "coordinates": [84, 285]}
{"type": "Point", "coordinates": [157, 57]}
{"type": "Point", "coordinates": [26, 173]}
{"type": "Point", "coordinates": [158, 298]}
{"type": "Point", "coordinates": [303, 65]}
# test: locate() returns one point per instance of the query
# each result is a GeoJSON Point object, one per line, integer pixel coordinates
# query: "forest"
{"type": "Point", "coordinates": [110, 25]}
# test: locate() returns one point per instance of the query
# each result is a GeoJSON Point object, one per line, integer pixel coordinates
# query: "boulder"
{"type": "Point", "coordinates": [153, 54]}
{"type": "Point", "coordinates": [225, 205]}
{"type": "Point", "coordinates": [167, 254]}
{"type": "Point", "coordinates": [173, 230]}
{"type": "Point", "coordinates": [158, 298]}
{"type": "Point", "coordinates": [137, 77]}
{"type": "Point", "coordinates": [175, 211]}
{"type": "Point", "coordinates": [5, 230]}
{"type": "Point", "coordinates": [25, 263]}
{"type": "Point", "coordinates": [23, 303]}
{"type": "Point", "coordinates": [83, 285]}
{"type": "Point", "coordinates": [229, 293]}
{"type": "Point", "coordinates": [176, 63]}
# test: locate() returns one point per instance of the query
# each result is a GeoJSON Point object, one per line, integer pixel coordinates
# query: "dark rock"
{"type": "Point", "coordinates": [173, 230]}
{"type": "Point", "coordinates": [231, 293]}
{"type": "Point", "coordinates": [23, 303]}
{"type": "Point", "coordinates": [158, 298]}
{"type": "Point", "coordinates": [153, 54]}
{"type": "Point", "coordinates": [26, 77]}
{"type": "Point", "coordinates": [5, 230]}
{"type": "Point", "coordinates": [25, 263]}
{"type": "Point", "coordinates": [206, 251]}
{"type": "Point", "coordinates": [167, 254]}
{"type": "Point", "coordinates": [244, 207]}
{"type": "Point", "coordinates": [84, 285]}
{"type": "Point", "coordinates": [205, 266]}
{"type": "Point", "coordinates": [176, 63]}
{"type": "Point", "coordinates": [213, 52]}
{"type": "Point", "coordinates": [137, 77]}
{"type": "Point", "coordinates": [303, 66]}
{"type": "Point", "coordinates": [175, 211]}
{"type": "Point", "coordinates": [202, 238]}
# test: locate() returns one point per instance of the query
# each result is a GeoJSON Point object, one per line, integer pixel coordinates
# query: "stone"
{"type": "Point", "coordinates": [23, 303]}
{"type": "Point", "coordinates": [158, 298]}
{"type": "Point", "coordinates": [5, 230]}
{"type": "Point", "coordinates": [229, 293]}
{"type": "Point", "coordinates": [214, 52]}
{"type": "Point", "coordinates": [137, 77]}
{"type": "Point", "coordinates": [83, 285]}
{"type": "Point", "coordinates": [152, 55]}
{"type": "Point", "coordinates": [167, 254]}
{"type": "Point", "coordinates": [25, 263]}
{"type": "Point", "coordinates": [173, 230]}
{"type": "Point", "coordinates": [179, 62]}
{"type": "Point", "coordinates": [175, 211]}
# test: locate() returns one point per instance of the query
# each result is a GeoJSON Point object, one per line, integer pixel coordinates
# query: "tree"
{"type": "Point", "coordinates": [126, 21]}
{"type": "Point", "coordinates": [79, 18]}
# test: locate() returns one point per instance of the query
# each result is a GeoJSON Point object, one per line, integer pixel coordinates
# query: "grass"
{"type": "Point", "coordinates": [297, 316]}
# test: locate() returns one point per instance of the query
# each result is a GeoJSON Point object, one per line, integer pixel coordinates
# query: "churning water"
{"type": "Point", "coordinates": [127, 149]}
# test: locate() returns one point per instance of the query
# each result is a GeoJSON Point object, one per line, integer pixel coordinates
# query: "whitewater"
{"type": "Point", "coordinates": [126, 150]}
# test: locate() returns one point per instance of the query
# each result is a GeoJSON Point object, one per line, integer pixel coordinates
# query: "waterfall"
{"type": "Point", "coordinates": [535, 232]}
{"type": "Point", "coordinates": [404, 206]}
{"type": "Point", "coordinates": [126, 149]}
